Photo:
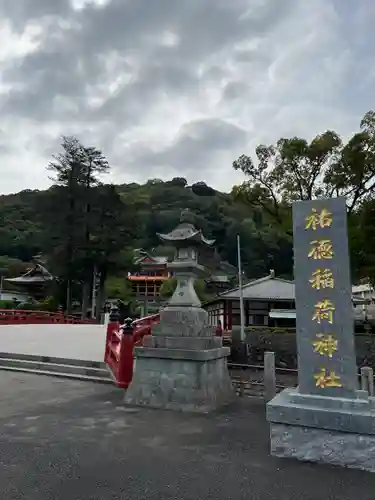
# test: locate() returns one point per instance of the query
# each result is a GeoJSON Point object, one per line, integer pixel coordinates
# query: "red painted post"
{"type": "Point", "coordinates": [113, 326]}
{"type": "Point", "coordinates": [126, 358]}
{"type": "Point", "coordinates": [120, 341]}
{"type": "Point", "coordinates": [219, 329]}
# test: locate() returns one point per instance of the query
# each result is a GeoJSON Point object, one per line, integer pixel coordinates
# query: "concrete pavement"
{"type": "Point", "coordinates": [69, 440]}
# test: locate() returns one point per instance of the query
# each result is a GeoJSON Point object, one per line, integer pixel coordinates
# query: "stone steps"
{"type": "Point", "coordinates": [91, 371]}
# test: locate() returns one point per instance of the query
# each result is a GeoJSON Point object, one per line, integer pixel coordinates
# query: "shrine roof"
{"type": "Point", "coordinates": [270, 288]}
{"type": "Point", "coordinates": [150, 259]}
{"type": "Point", "coordinates": [267, 288]}
{"type": "Point", "coordinates": [28, 279]}
{"type": "Point", "coordinates": [36, 275]}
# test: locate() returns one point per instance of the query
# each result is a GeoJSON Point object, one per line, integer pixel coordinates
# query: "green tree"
{"type": "Point", "coordinates": [295, 169]}
{"type": "Point", "coordinates": [362, 242]}
{"type": "Point", "coordinates": [118, 287]}
{"type": "Point", "coordinates": [67, 199]}
{"type": "Point", "coordinates": [11, 267]}
{"type": "Point", "coordinates": [19, 229]}
{"type": "Point", "coordinates": [73, 217]}
{"type": "Point", "coordinates": [169, 286]}
{"type": "Point", "coordinates": [164, 251]}
{"type": "Point", "coordinates": [96, 165]}
{"type": "Point", "coordinates": [114, 230]}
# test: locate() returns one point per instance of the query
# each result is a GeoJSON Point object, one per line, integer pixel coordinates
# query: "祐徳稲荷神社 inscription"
{"type": "Point", "coordinates": [324, 309]}
{"type": "Point", "coordinates": [323, 297]}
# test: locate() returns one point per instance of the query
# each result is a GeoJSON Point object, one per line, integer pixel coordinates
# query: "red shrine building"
{"type": "Point", "coordinates": [147, 281]}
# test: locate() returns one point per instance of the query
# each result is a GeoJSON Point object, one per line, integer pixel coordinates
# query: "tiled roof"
{"type": "Point", "coordinates": [150, 259]}
{"type": "Point", "coordinates": [37, 274]}
{"type": "Point", "coordinates": [29, 279]}
{"type": "Point", "coordinates": [264, 288]}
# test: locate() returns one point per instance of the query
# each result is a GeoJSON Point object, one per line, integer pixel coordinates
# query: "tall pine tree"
{"type": "Point", "coordinates": [76, 172]}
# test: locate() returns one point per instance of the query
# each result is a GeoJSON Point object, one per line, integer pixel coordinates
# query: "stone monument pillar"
{"type": "Point", "coordinates": [326, 419]}
{"type": "Point", "coordinates": [182, 365]}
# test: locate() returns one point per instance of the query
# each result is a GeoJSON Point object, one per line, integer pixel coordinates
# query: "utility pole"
{"type": "Point", "coordinates": [94, 290]}
{"type": "Point", "coordinates": [1, 287]}
{"type": "Point", "coordinates": [242, 311]}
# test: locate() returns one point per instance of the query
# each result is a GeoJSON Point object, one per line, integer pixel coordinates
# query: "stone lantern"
{"type": "Point", "coordinates": [182, 365]}
{"type": "Point", "coordinates": [187, 240]}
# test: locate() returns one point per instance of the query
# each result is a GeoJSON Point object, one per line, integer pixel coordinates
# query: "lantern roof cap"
{"type": "Point", "coordinates": [186, 232]}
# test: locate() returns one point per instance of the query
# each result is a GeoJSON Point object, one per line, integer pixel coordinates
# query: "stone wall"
{"type": "Point", "coordinates": [283, 342]}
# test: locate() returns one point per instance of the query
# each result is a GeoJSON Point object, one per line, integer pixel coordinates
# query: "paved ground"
{"type": "Point", "coordinates": [69, 440]}
{"type": "Point", "coordinates": [85, 342]}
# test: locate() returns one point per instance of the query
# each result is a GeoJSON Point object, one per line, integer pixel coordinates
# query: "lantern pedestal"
{"type": "Point", "coordinates": [182, 365]}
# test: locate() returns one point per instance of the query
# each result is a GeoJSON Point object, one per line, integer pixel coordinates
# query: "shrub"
{"type": "Point", "coordinates": [7, 304]}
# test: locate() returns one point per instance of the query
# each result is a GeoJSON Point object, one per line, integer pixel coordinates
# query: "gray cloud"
{"type": "Point", "coordinates": [20, 13]}
{"type": "Point", "coordinates": [178, 88]}
{"type": "Point", "coordinates": [70, 57]}
{"type": "Point", "coordinates": [193, 147]}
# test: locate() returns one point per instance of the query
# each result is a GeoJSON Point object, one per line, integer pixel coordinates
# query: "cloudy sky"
{"type": "Point", "coordinates": [177, 87]}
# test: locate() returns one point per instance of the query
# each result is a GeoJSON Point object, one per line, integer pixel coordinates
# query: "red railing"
{"type": "Point", "coordinates": [118, 355]}
{"type": "Point", "coordinates": [143, 326]}
{"type": "Point", "coordinates": [20, 317]}
{"type": "Point", "coordinates": [120, 342]}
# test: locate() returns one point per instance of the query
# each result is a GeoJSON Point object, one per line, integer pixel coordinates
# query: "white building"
{"type": "Point", "coordinates": [270, 301]}
{"type": "Point", "coordinates": [14, 295]}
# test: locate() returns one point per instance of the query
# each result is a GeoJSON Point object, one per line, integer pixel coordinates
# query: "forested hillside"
{"type": "Point", "coordinates": [156, 206]}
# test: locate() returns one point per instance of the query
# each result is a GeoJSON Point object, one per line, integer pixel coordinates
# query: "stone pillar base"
{"type": "Point", "coordinates": [338, 431]}
{"type": "Point", "coordinates": [352, 450]}
{"type": "Point", "coordinates": [181, 379]}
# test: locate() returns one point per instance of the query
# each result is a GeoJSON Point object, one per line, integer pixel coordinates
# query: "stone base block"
{"type": "Point", "coordinates": [195, 381]}
{"type": "Point", "coordinates": [317, 428]}
{"type": "Point", "coordinates": [190, 343]}
{"type": "Point", "coordinates": [353, 415]}
{"type": "Point", "coordinates": [325, 446]}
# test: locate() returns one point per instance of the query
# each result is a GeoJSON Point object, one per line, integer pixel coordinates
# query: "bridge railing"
{"type": "Point", "coordinates": [120, 343]}
{"type": "Point", "coordinates": [31, 317]}
{"type": "Point", "coordinates": [143, 326]}
{"type": "Point", "coordinates": [119, 348]}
